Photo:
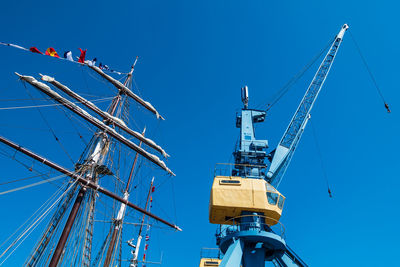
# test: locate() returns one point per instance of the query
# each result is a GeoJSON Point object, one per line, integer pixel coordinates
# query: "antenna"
{"type": "Point", "coordinates": [245, 96]}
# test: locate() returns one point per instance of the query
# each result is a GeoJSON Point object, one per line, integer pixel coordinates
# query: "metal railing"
{"type": "Point", "coordinates": [210, 253]}
{"type": "Point", "coordinates": [225, 169]}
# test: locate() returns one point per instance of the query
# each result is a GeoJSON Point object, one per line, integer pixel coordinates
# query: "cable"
{"type": "Point", "coordinates": [284, 89]}
{"type": "Point", "coordinates": [320, 158]}
{"type": "Point", "coordinates": [37, 211]}
{"type": "Point", "coordinates": [22, 99]}
{"type": "Point", "coordinates": [32, 185]}
{"type": "Point", "coordinates": [33, 226]}
{"type": "Point", "coordinates": [23, 164]}
{"type": "Point", "coordinates": [50, 105]}
{"type": "Point", "coordinates": [22, 179]}
{"type": "Point", "coordinates": [370, 73]}
{"type": "Point", "coordinates": [51, 129]}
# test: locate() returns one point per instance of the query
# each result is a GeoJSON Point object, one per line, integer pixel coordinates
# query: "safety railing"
{"type": "Point", "coordinates": [246, 170]}
{"type": "Point", "coordinates": [210, 253]}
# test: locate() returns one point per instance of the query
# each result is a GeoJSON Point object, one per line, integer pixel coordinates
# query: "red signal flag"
{"type": "Point", "coordinates": [35, 50]}
{"type": "Point", "coordinates": [82, 56]}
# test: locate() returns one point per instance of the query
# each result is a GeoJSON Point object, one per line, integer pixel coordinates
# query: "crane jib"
{"type": "Point", "coordinates": [292, 135]}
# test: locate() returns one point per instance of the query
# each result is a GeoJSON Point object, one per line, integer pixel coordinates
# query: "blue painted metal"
{"type": "Point", "coordinates": [289, 259]}
{"type": "Point", "coordinates": [233, 256]}
{"type": "Point", "coordinates": [250, 155]}
{"type": "Point", "coordinates": [250, 241]}
{"type": "Point", "coordinates": [257, 242]}
{"type": "Point", "coordinates": [292, 135]}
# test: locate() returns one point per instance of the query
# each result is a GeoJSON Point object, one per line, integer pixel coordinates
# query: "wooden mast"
{"type": "Point", "coordinates": [139, 239]}
{"type": "Point", "coordinates": [87, 178]}
{"type": "Point", "coordinates": [78, 201]}
{"type": "Point", "coordinates": [118, 221]}
{"type": "Point", "coordinates": [83, 181]}
{"type": "Point", "coordinates": [101, 144]}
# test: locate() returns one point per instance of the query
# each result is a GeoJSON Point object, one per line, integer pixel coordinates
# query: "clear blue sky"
{"type": "Point", "coordinates": [194, 57]}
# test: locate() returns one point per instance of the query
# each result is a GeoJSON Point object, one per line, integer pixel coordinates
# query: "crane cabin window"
{"type": "Point", "coordinates": [281, 201]}
{"type": "Point", "coordinates": [272, 198]}
{"type": "Point", "coordinates": [229, 182]}
{"type": "Point", "coordinates": [270, 188]}
{"type": "Point", "coordinates": [211, 263]}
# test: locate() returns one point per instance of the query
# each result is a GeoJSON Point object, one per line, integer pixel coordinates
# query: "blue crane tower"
{"type": "Point", "coordinates": [244, 199]}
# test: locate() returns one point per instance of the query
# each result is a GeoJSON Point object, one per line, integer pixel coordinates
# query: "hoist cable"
{"type": "Point", "coordinates": [320, 159]}
{"type": "Point", "coordinates": [370, 72]}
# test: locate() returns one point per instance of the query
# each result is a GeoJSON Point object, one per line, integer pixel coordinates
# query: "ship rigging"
{"type": "Point", "coordinates": [68, 237]}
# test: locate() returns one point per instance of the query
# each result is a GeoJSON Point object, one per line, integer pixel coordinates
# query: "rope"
{"type": "Point", "coordinates": [2, 152]}
{"type": "Point", "coordinates": [74, 126]}
{"type": "Point", "coordinates": [370, 73]}
{"type": "Point", "coordinates": [32, 185]}
{"type": "Point", "coordinates": [22, 179]}
{"type": "Point", "coordinates": [33, 226]}
{"type": "Point", "coordinates": [320, 158]}
{"type": "Point", "coordinates": [37, 211]}
{"type": "Point", "coordinates": [51, 129]}
{"type": "Point", "coordinates": [50, 105]}
{"type": "Point", "coordinates": [60, 58]}
{"type": "Point", "coordinates": [284, 89]}
{"type": "Point", "coordinates": [23, 99]}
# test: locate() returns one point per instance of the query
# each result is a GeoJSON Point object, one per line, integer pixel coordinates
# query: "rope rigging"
{"type": "Point", "coordinates": [33, 184]}
{"type": "Point", "coordinates": [78, 248]}
{"type": "Point", "coordinates": [32, 227]}
{"type": "Point", "coordinates": [284, 89]}
{"type": "Point", "coordinates": [51, 129]}
{"type": "Point", "coordinates": [29, 168]}
{"type": "Point", "coordinates": [324, 173]}
{"type": "Point", "coordinates": [51, 105]}
{"type": "Point", "coordinates": [370, 73]}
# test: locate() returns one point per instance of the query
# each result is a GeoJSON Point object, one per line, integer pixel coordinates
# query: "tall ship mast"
{"type": "Point", "coordinates": [71, 236]}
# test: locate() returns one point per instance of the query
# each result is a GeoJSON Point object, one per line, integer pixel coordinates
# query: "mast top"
{"type": "Point", "coordinates": [133, 66]}
{"type": "Point", "coordinates": [245, 96]}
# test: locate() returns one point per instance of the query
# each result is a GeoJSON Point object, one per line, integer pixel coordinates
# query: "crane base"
{"type": "Point", "coordinates": [273, 245]}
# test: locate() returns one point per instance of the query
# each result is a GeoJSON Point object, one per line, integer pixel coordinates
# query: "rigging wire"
{"type": "Point", "coordinates": [86, 82]}
{"type": "Point", "coordinates": [33, 226]}
{"type": "Point", "coordinates": [284, 89]}
{"type": "Point", "coordinates": [50, 105]}
{"type": "Point", "coordinates": [370, 73]}
{"type": "Point", "coordinates": [74, 126]}
{"type": "Point", "coordinates": [45, 204]}
{"type": "Point", "coordinates": [33, 184]}
{"type": "Point", "coordinates": [2, 152]}
{"type": "Point", "coordinates": [33, 128]}
{"type": "Point", "coordinates": [22, 179]}
{"type": "Point", "coordinates": [321, 160]}
{"type": "Point", "coordinates": [51, 129]}
{"type": "Point", "coordinates": [99, 79]}
{"type": "Point", "coordinates": [23, 99]}
{"type": "Point", "coordinates": [59, 58]}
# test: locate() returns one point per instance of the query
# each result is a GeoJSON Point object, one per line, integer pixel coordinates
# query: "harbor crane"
{"type": "Point", "coordinates": [244, 199]}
